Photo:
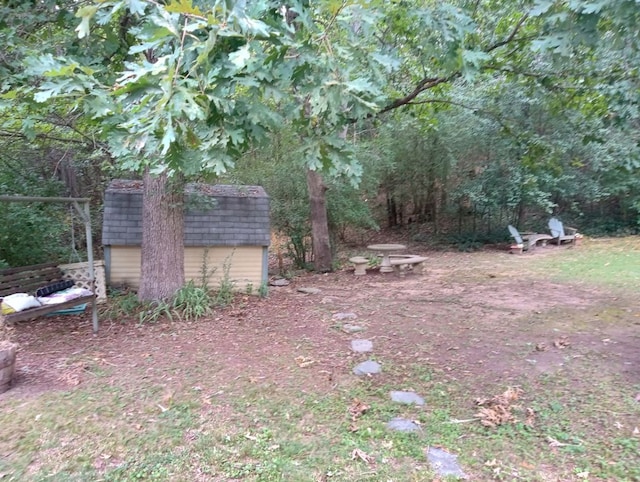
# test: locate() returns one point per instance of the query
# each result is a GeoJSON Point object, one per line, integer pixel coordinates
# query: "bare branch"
{"type": "Point", "coordinates": [424, 84]}
{"type": "Point", "coordinates": [429, 83]}
{"type": "Point", "coordinates": [20, 135]}
{"type": "Point", "coordinates": [511, 36]}
{"type": "Point", "coordinates": [507, 70]}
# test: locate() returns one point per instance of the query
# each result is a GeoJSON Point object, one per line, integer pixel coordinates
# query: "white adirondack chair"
{"type": "Point", "coordinates": [561, 233]}
{"type": "Point", "coordinates": [528, 240]}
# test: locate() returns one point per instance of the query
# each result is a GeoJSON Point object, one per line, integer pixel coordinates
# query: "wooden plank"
{"type": "Point", "coordinates": [24, 287]}
{"type": "Point", "coordinates": [47, 273]}
{"type": "Point", "coordinates": [30, 281]}
{"type": "Point", "coordinates": [20, 269]}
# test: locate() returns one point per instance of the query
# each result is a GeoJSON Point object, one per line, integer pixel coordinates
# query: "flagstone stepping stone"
{"type": "Point", "coordinates": [444, 463]}
{"type": "Point", "coordinates": [279, 282]}
{"type": "Point", "coordinates": [361, 346]}
{"type": "Point", "coordinates": [407, 397]}
{"type": "Point", "coordinates": [310, 291]}
{"type": "Point", "coordinates": [368, 367]}
{"type": "Point", "coordinates": [350, 328]}
{"type": "Point", "coordinates": [344, 316]}
{"type": "Point", "coordinates": [402, 425]}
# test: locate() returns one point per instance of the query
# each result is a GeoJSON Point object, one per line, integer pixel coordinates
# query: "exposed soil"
{"type": "Point", "coordinates": [478, 318]}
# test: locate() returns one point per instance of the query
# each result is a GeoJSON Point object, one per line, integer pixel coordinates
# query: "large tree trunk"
{"type": "Point", "coordinates": [322, 259]}
{"type": "Point", "coordinates": [162, 264]}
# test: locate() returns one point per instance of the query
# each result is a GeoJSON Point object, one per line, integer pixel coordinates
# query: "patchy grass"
{"type": "Point", "coordinates": [609, 262]}
{"type": "Point", "coordinates": [275, 435]}
{"type": "Point", "coordinates": [225, 402]}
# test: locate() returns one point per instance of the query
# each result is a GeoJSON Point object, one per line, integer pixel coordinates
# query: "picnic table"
{"type": "Point", "coordinates": [386, 250]}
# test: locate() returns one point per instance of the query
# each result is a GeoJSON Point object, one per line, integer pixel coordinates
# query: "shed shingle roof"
{"type": "Point", "coordinates": [238, 215]}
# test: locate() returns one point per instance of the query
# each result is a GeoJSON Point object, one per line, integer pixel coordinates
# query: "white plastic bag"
{"type": "Point", "coordinates": [18, 302]}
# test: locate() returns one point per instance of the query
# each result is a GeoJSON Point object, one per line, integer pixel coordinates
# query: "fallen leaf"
{"type": "Point", "coordinates": [304, 362]}
{"type": "Point", "coordinates": [541, 347]}
{"type": "Point", "coordinates": [555, 443]}
{"type": "Point", "coordinates": [365, 457]}
{"type": "Point", "coordinates": [562, 342]}
{"type": "Point", "coordinates": [498, 410]}
{"type": "Point", "coordinates": [531, 417]}
{"type": "Point", "coordinates": [494, 416]}
{"type": "Point", "coordinates": [357, 409]}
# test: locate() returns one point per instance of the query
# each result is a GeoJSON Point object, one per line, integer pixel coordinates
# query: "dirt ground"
{"type": "Point", "coordinates": [483, 319]}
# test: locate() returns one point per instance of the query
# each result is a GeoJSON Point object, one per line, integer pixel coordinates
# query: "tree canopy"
{"type": "Point", "coordinates": [186, 86]}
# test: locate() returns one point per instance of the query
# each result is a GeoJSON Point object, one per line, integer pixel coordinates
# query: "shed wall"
{"type": "Point", "coordinates": [245, 265]}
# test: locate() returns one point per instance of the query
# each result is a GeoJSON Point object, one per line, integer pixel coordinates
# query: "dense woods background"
{"type": "Point", "coordinates": [511, 138]}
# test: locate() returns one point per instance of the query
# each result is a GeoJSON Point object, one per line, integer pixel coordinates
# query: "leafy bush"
{"type": "Point", "coordinates": [32, 233]}
{"type": "Point", "coordinates": [192, 302]}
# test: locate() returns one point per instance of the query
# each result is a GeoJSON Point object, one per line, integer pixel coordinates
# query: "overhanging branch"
{"type": "Point", "coordinates": [511, 36]}
{"type": "Point", "coordinates": [429, 83]}
{"type": "Point", "coordinates": [424, 84]}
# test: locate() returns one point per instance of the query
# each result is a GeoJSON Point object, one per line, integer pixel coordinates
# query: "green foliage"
{"type": "Point", "coordinates": [522, 105]}
{"type": "Point", "coordinates": [192, 302]}
{"type": "Point", "coordinates": [225, 294]}
{"type": "Point", "coordinates": [347, 206]}
{"type": "Point", "coordinates": [186, 97]}
{"type": "Point", "coordinates": [249, 289]}
{"type": "Point", "coordinates": [33, 233]}
{"type": "Point", "coordinates": [263, 291]}
{"type": "Point", "coordinates": [154, 311]}
{"type": "Point", "coordinates": [120, 306]}
{"type": "Point", "coordinates": [278, 167]}
{"type": "Point", "coordinates": [503, 154]}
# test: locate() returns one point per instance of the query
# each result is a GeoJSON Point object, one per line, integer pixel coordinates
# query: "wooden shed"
{"type": "Point", "coordinates": [224, 226]}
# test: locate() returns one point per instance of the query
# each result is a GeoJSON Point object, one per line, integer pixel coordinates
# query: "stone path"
{"type": "Point", "coordinates": [368, 367]}
{"type": "Point", "coordinates": [442, 462]}
{"type": "Point", "coordinates": [407, 398]}
{"type": "Point", "coordinates": [361, 346]}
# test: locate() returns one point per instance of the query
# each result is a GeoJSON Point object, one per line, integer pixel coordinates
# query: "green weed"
{"type": "Point", "coordinates": [225, 294]}
{"type": "Point", "coordinates": [192, 302]}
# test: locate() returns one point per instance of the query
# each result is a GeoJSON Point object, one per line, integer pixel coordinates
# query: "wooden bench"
{"type": "Point", "coordinates": [28, 279]}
